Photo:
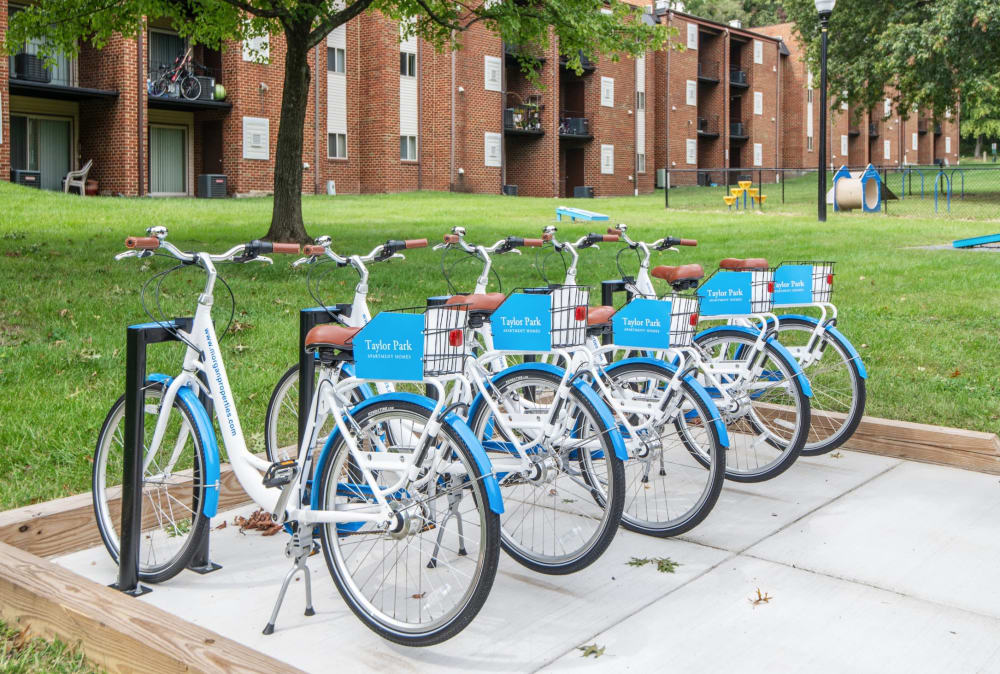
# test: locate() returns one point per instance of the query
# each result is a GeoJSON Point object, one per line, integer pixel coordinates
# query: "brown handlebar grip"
{"type": "Point", "coordinates": [313, 250]}
{"type": "Point", "coordinates": [611, 238]}
{"type": "Point", "coordinates": [451, 238]}
{"type": "Point", "coordinates": [142, 242]}
{"type": "Point", "coordinates": [687, 242]}
{"type": "Point", "coordinates": [288, 248]}
{"type": "Point", "coordinates": [612, 230]}
{"type": "Point", "coordinates": [416, 243]}
{"type": "Point", "coordinates": [533, 243]}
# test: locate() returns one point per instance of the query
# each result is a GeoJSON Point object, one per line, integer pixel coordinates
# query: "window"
{"type": "Point", "coordinates": [608, 92]}
{"type": "Point", "coordinates": [758, 51]}
{"type": "Point", "coordinates": [640, 163]}
{"type": "Point", "coordinates": [335, 60]}
{"type": "Point", "coordinates": [640, 100]}
{"type": "Point", "coordinates": [408, 148]}
{"type": "Point", "coordinates": [947, 144]}
{"type": "Point", "coordinates": [608, 159]}
{"type": "Point", "coordinates": [491, 149]}
{"type": "Point", "coordinates": [886, 109]}
{"type": "Point", "coordinates": [885, 149]}
{"type": "Point", "coordinates": [492, 73]}
{"type": "Point", "coordinates": [257, 48]}
{"type": "Point", "coordinates": [758, 154]}
{"type": "Point", "coordinates": [913, 141]}
{"type": "Point", "coordinates": [691, 151]}
{"type": "Point", "coordinates": [407, 64]}
{"type": "Point", "coordinates": [809, 96]}
{"type": "Point", "coordinates": [336, 145]}
{"type": "Point", "coordinates": [809, 143]}
{"type": "Point", "coordinates": [843, 145]}
{"type": "Point", "coordinates": [691, 93]}
{"type": "Point", "coordinates": [256, 138]}
{"type": "Point", "coordinates": [758, 102]}
{"type": "Point", "coordinates": [692, 36]}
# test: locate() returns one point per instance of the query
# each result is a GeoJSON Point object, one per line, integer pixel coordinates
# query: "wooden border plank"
{"type": "Point", "coordinates": [115, 631]}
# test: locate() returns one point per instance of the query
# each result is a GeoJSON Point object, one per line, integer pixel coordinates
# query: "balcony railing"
{"type": "Point", "coordinates": [588, 65]}
{"type": "Point", "coordinates": [921, 126]}
{"type": "Point", "coordinates": [874, 129]}
{"type": "Point", "coordinates": [853, 130]}
{"type": "Point", "coordinates": [738, 77]}
{"type": "Point", "coordinates": [937, 129]}
{"type": "Point", "coordinates": [737, 130]}
{"type": "Point", "coordinates": [30, 67]}
{"type": "Point", "coordinates": [523, 118]}
{"type": "Point", "coordinates": [708, 126]}
{"type": "Point", "coordinates": [573, 125]}
{"type": "Point", "coordinates": [708, 70]}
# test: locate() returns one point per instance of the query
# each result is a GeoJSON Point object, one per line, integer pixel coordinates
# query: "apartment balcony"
{"type": "Point", "coordinates": [738, 77]}
{"type": "Point", "coordinates": [874, 129]}
{"type": "Point", "coordinates": [738, 131]}
{"type": "Point", "coordinates": [587, 65]}
{"type": "Point", "coordinates": [167, 95]}
{"type": "Point", "coordinates": [523, 119]}
{"type": "Point", "coordinates": [511, 53]}
{"type": "Point", "coordinates": [853, 130]}
{"type": "Point", "coordinates": [922, 126]}
{"type": "Point", "coordinates": [708, 72]}
{"type": "Point", "coordinates": [32, 76]}
{"type": "Point", "coordinates": [937, 129]}
{"type": "Point", "coordinates": [708, 127]}
{"type": "Point", "coordinates": [573, 126]}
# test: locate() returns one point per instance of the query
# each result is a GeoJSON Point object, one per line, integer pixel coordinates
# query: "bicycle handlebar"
{"type": "Point", "coordinates": [142, 243]}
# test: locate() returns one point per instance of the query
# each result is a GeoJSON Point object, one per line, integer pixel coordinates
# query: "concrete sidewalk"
{"type": "Point", "coordinates": [872, 564]}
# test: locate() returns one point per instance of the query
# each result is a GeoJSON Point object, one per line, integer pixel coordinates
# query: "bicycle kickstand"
{"type": "Point", "coordinates": [300, 547]}
{"type": "Point", "coordinates": [454, 500]}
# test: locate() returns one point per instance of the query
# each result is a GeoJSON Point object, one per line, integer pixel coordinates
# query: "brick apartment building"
{"type": "Point", "coordinates": [386, 115]}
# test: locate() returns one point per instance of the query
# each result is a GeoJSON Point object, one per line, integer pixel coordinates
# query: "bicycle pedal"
{"type": "Point", "coordinates": [281, 473]}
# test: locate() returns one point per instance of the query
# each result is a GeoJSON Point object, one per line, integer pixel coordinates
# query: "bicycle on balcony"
{"type": "Point", "coordinates": [180, 75]}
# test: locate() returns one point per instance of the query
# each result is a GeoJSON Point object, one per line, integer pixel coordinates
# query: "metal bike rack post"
{"type": "Point", "coordinates": [308, 319]}
{"type": "Point", "coordinates": [137, 338]}
{"type": "Point", "coordinates": [608, 290]}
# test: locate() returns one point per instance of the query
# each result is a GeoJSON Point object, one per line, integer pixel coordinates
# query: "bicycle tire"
{"type": "Point", "coordinates": [191, 87]}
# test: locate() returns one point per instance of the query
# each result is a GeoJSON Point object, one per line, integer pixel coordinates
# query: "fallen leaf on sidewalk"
{"type": "Point", "coordinates": [592, 649]}
{"type": "Point", "coordinates": [760, 598]}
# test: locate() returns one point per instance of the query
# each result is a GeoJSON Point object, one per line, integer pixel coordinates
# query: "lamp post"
{"type": "Point", "coordinates": [825, 9]}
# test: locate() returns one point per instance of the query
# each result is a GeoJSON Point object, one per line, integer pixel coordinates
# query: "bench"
{"type": "Point", "coordinates": [574, 213]}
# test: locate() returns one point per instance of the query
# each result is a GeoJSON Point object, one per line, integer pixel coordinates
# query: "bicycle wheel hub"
{"type": "Point", "coordinates": [406, 520]}
{"type": "Point", "coordinates": [542, 471]}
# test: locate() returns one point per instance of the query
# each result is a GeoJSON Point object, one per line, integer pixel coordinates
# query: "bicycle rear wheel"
{"type": "Point", "coordinates": [191, 87]}
{"type": "Point", "coordinates": [425, 577]}
{"type": "Point", "coordinates": [172, 490]}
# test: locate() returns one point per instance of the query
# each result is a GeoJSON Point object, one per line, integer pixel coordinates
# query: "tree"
{"type": "Point", "coordinates": [750, 12]}
{"type": "Point", "coordinates": [922, 54]}
{"type": "Point", "coordinates": [981, 113]}
{"type": "Point", "coordinates": [579, 26]}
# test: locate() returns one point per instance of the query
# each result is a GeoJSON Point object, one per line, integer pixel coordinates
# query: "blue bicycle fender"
{"type": "Point", "coordinates": [841, 339]}
{"type": "Point", "coordinates": [696, 386]}
{"type": "Point", "coordinates": [607, 417]}
{"type": "Point", "coordinates": [475, 446]}
{"type": "Point", "coordinates": [799, 374]}
{"type": "Point", "coordinates": [206, 434]}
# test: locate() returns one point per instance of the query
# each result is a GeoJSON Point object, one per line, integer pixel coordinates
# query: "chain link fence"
{"type": "Point", "coordinates": [967, 191]}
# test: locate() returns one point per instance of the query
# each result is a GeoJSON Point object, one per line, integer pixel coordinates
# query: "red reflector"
{"type": "Point", "coordinates": [581, 313]}
{"type": "Point", "coordinates": [694, 319]}
{"type": "Point", "coordinates": [770, 286]}
{"type": "Point", "coordinates": [455, 337]}
{"type": "Point", "coordinates": [829, 279]}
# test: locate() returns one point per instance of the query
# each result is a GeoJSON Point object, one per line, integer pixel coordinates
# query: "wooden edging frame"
{"type": "Point", "coordinates": [119, 633]}
{"type": "Point", "coordinates": [115, 632]}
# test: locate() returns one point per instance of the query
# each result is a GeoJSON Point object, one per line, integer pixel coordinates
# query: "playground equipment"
{"type": "Point", "coordinates": [938, 187]}
{"type": "Point", "coordinates": [978, 241]}
{"type": "Point", "coordinates": [858, 189]}
{"type": "Point", "coordinates": [908, 173]}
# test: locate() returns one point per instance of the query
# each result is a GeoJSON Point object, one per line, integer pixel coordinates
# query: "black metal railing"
{"type": "Point", "coordinates": [708, 125]}
{"type": "Point", "coordinates": [921, 126]}
{"type": "Point", "coordinates": [585, 63]}
{"type": "Point", "coordinates": [708, 70]}
{"type": "Point", "coordinates": [573, 125]}
{"type": "Point", "coordinates": [523, 117]}
{"type": "Point", "coordinates": [937, 129]}
{"type": "Point", "coordinates": [874, 129]}
{"type": "Point", "coordinates": [737, 129]}
{"type": "Point", "coordinates": [853, 130]}
{"type": "Point", "coordinates": [738, 77]}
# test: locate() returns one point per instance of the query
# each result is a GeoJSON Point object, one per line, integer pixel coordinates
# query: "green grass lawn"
{"type": "Point", "coordinates": [924, 320]}
{"type": "Point", "coordinates": [20, 653]}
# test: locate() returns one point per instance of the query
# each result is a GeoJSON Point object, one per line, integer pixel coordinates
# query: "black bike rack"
{"type": "Point", "coordinates": [608, 290]}
{"type": "Point", "coordinates": [308, 319]}
{"type": "Point", "coordinates": [138, 337]}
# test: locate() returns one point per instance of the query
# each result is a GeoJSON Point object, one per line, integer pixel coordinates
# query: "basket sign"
{"type": "Point", "coordinates": [793, 284]}
{"type": "Point", "coordinates": [726, 293]}
{"type": "Point", "coordinates": [391, 346]}
{"type": "Point", "coordinates": [643, 323]}
{"type": "Point", "coordinates": [523, 323]}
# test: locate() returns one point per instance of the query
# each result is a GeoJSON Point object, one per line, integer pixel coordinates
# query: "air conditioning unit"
{"type": "Point", "coordinates": [207, 88]}
{"type": "Point", "coordinates": [583, 192]}
{"type": "Point", "coordinates": [27, 178]}
{"type": "Point", "coordinates": [510, 190]}
{"type": "Point", "coordinates": [661, 178]}
{"type": "Point", "coordinates": [212, 186]}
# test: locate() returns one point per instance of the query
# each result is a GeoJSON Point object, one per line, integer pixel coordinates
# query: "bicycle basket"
{"type": "Point", "coordinates": [683, 319]}
{"type": "Point", "coordinates": [569, 315]}
{"type": "Point", "coordinates": [656, 323]}
{"type": "Point", "coordinates": [412, 343]}
{"type": "Point", "coordinates": [803, 282]}
{"type": "Point", "coordinates": [737, 292]}
{"type": "Point", "coordinates": [445, 330]}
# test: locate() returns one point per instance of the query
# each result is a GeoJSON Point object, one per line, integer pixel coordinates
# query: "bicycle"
{"type": "Point", "coordinates": [396, 469]}
{"type": "Point", "coordinates": [180, 73]}
{"type": "Point", "coordinates": [757, 385]}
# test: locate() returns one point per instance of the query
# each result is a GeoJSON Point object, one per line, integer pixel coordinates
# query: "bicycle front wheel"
{"type": "Point", "coordinates": [839, 392]}
{"type": "Point", "coordinates": [762, 401]}
{"type": "Point", "coordinates": [191, 87]}
{"type": "Point", "coordinates": [422, 579]}
{"type": "Point", "coordinates": [562, 513]}
{"type": "Point", "coordinates": [172, 488]}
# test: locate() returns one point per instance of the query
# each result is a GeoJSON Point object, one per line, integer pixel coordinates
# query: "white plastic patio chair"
{"type": "Point", "coordinates": [78, 179]}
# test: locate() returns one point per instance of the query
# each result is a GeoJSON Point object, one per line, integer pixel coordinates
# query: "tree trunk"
{"type": "Point", "coordinates": [979, 145]}
{"type": "Point", "coordinates": [286, 219]}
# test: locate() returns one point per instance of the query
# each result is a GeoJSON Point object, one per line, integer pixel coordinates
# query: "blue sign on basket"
{"type": "Point", "coordinates": [523, 323]}
{"type": "Point", "coordinates": [726, 293]}
{"type": "Point", "coordinates": [793, 284]}
{"type": "Point", "coordinates": [643, 323]}
{"type": "Point", "coordinates": [391, 346]}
